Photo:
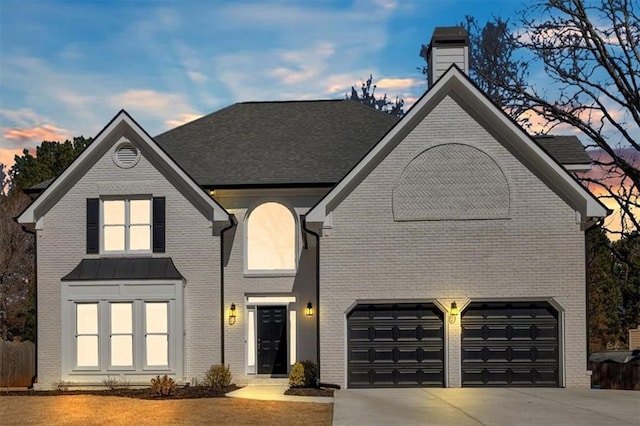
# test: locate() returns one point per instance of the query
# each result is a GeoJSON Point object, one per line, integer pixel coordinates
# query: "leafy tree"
{"type": "Point", "coordinates": [17, 273]}
{"type": "Point", "coordinates": [614, 288]}
{"type": "Point", "coordinates": [17, 266]}
{"type": "Point", "coordinates": [50, 160]}
{"type": "Point", "coordinates": [367, 96]}
{"type": "Point", "coordinates": [605, 298]}
{"type": "Point", "coordinates": [627, 273]}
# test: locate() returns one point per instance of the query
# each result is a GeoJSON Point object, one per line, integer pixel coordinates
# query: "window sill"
{"type": "Point", "coordinates": [270, 274]}
{"type": "Point", "coordinates": [126, 254]}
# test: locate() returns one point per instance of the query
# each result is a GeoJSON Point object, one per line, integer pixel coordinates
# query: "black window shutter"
{"type": "Point", "coordinates": [158, 224]}
{"type": "Point", "coordinates": [93, 225]}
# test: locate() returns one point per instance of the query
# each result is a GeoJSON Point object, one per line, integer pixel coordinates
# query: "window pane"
{"type": "Point", "coordinates": [157, 350]}
{"type": "Point", "coordinates": [140, 212]}
{"type": "Point", "coordinates": [114, 238]}
{"type": "Point", "coordinates": [271, 238]}
{"type": "Point", "coordinates": [87, 318]}
{"type": "Point", "coordinates": [113, 212]}
{"type": "Point", "coordinates": [156, 317]}
{"type": "Point", "coordinates": [87, 351]}
{"type": "Point", "coordinates": [121, 351]}
{"type": "Point", "coordinates": [121, 319]}
{"type": "Point", "coordinates": [140, 237]}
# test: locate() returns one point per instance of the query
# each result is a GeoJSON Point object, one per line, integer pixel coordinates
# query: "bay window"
{"type": "Point", "coordinates": [122, 328]}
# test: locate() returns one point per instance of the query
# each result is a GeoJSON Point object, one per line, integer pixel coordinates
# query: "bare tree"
{"type": "Point", "coordinates": [590, 51]}
{"type": "Point", "coordinates": [16, 270]}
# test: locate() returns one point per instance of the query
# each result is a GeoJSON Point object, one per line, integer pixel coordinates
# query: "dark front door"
{"type": "Point", "coordinates": [272, 340]}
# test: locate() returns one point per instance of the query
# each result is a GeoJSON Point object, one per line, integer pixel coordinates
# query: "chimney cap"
{"type": "Point", "coordinates": [449, 36]}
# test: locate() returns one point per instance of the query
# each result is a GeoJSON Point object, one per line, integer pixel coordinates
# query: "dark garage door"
{"type": "Point", "coordinates": [510, 344]}
{"type": "Point", "coordinates": [395, 345]}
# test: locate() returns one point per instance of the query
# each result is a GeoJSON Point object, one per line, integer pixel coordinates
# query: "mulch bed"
{"type": "Point", "coordinates": [145, 393]}
{"type": "Point", "coordinates": [180, 392]}
{"type": "Point", "coordinates": [309, 392]}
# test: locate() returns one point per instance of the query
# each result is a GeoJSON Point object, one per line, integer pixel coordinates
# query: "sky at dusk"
{"type": "Point", "coordinates": [67, 67]}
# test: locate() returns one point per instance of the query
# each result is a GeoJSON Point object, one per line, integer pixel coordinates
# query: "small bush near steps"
{"type": "Point", "coordinates": [218, 376]}
{"type": "Point", "coordinates": [303, 381]}
{"type": "Point", "coordinates": [304, 374]}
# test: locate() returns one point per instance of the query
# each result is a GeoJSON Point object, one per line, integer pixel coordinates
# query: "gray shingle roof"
{"type": "Point", "coordinates": [276, 143]}
{"type": "Point", "coordinates": [294, 143]}
{"type": "Point", "coordinates": [565, 149]}
{"type": "Point", "coordinates": [122, 268]}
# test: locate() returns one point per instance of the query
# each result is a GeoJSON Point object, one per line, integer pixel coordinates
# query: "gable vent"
{"type": "Point", "coordinates": [126, 155]}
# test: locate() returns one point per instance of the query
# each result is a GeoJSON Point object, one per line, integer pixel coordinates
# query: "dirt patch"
{"type": "Point", "coordinates": [309, 392]}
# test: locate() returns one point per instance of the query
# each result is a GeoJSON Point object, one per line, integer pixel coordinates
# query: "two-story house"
{"type": "Point", "coordinates": [442, 249]}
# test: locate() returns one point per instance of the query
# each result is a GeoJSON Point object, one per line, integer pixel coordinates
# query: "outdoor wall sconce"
{"type": "Point", "coordinates": [453, 312]}
{"type": "Point", "coordinates": [232, 314]}
{"type": "Point", "coordinates": [309, 309]}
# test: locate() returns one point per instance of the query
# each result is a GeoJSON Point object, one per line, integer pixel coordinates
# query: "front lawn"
{"type": "Point", "coordinates": [99, 410]}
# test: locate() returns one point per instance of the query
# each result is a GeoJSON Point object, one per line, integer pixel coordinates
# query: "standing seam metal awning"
{"type": "Point", "coordinates": [123, 268]}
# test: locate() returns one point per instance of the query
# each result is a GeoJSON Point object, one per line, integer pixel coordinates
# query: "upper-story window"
{"type": "Point", "coordinates": [126, 225]}
{"type": "Point", "coordinates": [271, 238]}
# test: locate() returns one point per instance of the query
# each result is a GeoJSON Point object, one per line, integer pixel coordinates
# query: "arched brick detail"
{"type": "Point", "coordinates": [451, 182]}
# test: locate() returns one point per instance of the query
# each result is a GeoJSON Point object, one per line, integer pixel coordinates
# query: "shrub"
{"type": "Point", "coordinates": [304, 374]}
{"type": "Point", "coordinates": [164, 386]}
{"type": "Point", "coordinates": [114, 383]}
{"type": "Point", "coordinates": [218, 376]}
{"type": "Point", "coordinates": [62, 385]}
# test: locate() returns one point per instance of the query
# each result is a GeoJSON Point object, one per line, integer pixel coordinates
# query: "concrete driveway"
{"type": "Point", "coordinates": [475, 406]}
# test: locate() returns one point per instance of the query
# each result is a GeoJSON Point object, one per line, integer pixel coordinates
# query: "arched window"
{"type": "Point", "coordinates": [271, 238]}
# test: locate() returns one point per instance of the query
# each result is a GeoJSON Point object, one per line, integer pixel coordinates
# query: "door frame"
{"type": "Point", "coordinates": [251, 329]}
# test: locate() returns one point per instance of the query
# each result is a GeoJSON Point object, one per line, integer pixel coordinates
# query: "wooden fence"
{"type": "Point", "coordinates": [615, 375]}
{"type": "Point", "coordinates": [17, 363]}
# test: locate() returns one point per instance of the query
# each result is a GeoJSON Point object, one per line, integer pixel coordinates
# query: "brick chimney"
{"type": "Point", "coordinates": [449, 45]}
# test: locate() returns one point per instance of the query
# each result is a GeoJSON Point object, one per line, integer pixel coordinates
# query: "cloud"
{"type": "Point", "coordinates": [387, 5]}
{"type": "Point", "coordinates": [196, 76]}
{"type": "Point", "coordinates": [398, 83]}
{"type": "Point", "coordinates": [183, 119]}
{"type": "Point", "coordinates": [47, 132]}
{"type": "Point", "coordinates": [25, 129]}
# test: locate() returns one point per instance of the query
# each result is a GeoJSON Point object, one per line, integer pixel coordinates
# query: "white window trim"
{"type": "Point", "coordinates": [105, 293]}
{"type": "Point", "coordinates": [249, 273]}
{"type": "Point", "coordinates": [251, 329]}
{"type": "Point", "coordinates": [132, 334]}
{"type": "Point", "coordinates": [75, 334]}
{"type": "Point", "coordinates": [144, 339]}
{"type": "Point", "coordinates": [127, 224]}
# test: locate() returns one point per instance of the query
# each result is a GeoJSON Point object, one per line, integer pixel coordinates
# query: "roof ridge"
{"type": "Point", "coordinates": [289, 101]}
